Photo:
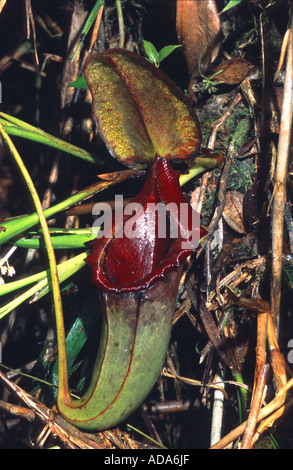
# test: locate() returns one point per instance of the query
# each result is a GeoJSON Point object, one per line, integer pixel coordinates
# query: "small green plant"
{"type": "Point", "coordinates": [156, 57]}
{"type": "Point", "coordinates": [208, 83]}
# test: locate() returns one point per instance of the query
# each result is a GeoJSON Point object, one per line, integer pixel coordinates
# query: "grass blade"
{"type": "Point", "coordinates": [18, 128]}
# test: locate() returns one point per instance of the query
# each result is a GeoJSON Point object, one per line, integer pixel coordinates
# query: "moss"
{"type": "Point", "coordinates": [241, 176]}
{"type": "Point", "coordinates": [208, 206]}
{"type": "Point", "coordinates": [238, 126]}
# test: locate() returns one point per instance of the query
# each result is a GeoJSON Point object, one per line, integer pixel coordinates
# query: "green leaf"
{"type": "Point", "coordinates": [14, 126]}
{"type": "Point", "coordinates": [43, 284]}
{"type": "Point", "coordinates": [167, 50]}
{"type": "Point", "coordinates": [84, 325]}
{"type": "Point", "coordinates": [231, 4]}
{"type": "Point", "coordinates": [11, 228]}
{"type": "Point", "coordinates": [66, 239]}
{"type": "Point", "coordinates": [80, 82]}
{"type": "Point", "coordinates": [88, 25]}
{"type": "Point", "coordinates": [151, 52]}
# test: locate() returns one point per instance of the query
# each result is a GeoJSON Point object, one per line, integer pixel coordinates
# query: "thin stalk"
{"type": "Point", "coordinates": [242, 394]}
{"type": "Point", "coordinates": [146, 436]}
{"type": "Point", "coordinates": [120, 23]}
{"type": "Point", "coordinates": [50, 253]}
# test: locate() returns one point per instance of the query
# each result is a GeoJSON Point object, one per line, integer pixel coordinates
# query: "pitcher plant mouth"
{"type": "Point", "coordinates": [146, 246]}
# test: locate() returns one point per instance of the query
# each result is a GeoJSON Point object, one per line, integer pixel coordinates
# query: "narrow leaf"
{"type": "Point", "coordinates": [10, 228]}
{"type": "Point", "coordinates": [231, 4]}
{"type": "Point", "coordinates": [88, 24]}
{"type": "Point", "coordinates": [14, 126]}
{"type": "Point", "coordinates": [167, 50]}
{"type": "Point", "coordinates": [65, 270]}
{"type": "Point", "coordinates": [64, 241]}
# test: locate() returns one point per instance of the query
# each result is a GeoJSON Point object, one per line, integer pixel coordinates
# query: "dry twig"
{"type": "Point", "coordinates": [279, 201]}
{"type": "Point", "coordinates": [255, 407]}
{"type": "Point", "coordinates": [54, 424]}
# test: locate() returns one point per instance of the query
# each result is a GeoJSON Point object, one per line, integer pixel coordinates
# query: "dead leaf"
{"type": "Point", "coordinates": [233, 71]}
{"type": "Point", "coordinates": [233, 211]}
{"type": "Point", "coordinates": [199, 31]}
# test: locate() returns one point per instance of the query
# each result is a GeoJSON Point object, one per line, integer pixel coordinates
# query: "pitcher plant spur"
{"type": "Point", "coordinates": [137, 259]}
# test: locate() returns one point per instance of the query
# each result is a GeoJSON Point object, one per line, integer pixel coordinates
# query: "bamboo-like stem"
{"type": "Point", "coordinates": [279, 201]}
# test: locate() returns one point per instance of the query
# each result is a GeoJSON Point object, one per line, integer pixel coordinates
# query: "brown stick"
{"type": "Point", "coordinates": [255, 408]}
{"type": "Point", "coordinates": [16, 410]}
{"type": "Point", "coordinates": [260, 352]}
{"type": "Point", "coordinates": [96, 28]}
{"type": "Point", "coordinates": [280, 187]}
